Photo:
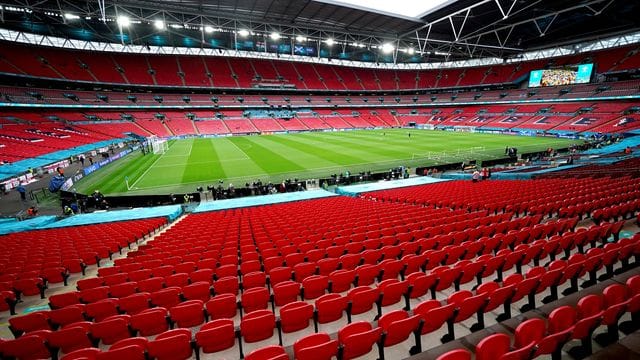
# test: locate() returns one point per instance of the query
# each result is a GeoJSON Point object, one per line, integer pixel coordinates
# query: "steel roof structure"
{"type": "Point", "coordinates": [456, 30]}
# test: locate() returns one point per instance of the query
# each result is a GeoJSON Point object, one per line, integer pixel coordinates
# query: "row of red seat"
{"type": "Point", "coordinates": [535, 337]}
{"type": "Point", "coordinates": [295, 315]}
{"type": "Point", "coordinates": [245, 73]}
{"type": "Point", "coordinates": [31, 260]}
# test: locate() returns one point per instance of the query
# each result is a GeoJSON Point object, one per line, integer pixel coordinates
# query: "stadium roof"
{"type": "Point", "coordinates": [440, 30]}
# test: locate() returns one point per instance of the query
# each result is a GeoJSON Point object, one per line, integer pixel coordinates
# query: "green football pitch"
{"type": "Point", "coordinates": [190, 163]}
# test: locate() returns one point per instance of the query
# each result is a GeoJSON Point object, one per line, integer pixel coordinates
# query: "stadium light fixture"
{"type": "Point", "coordinates": [70, 16]}
{"type": "Point", "coordinates": [159, 24]}
{"type": "Point", "coordinates": [330, 41]}
{"type": "Point", "coordinates": [123, 21]}
{"type": "Point", "coordinates": [387, 48]}
{"type": "Point", "coordinates": [274, 36]}
{"type": "Point", "coordinates": [301, 38]}
{"type": "Point", "coordinates": [208, 29]}
{"type": "Point", "coordinates": [243, 32]}
{"type": "Point", "coordinates": [410, 51]}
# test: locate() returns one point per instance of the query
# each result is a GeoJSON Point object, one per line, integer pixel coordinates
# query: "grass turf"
{"type": "Point", "coordinates": [203, 161]}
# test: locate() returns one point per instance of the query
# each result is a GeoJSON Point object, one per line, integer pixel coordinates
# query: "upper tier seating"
{"type": "Point", "coordinates": [245, 73]}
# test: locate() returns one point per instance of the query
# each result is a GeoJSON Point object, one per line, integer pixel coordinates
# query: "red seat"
{"type": "Point", "coordinates": [115, 279]}
{"type": "Point", "coordinates": [65, 299]}
{"type": "Point", "coordinates": [131, 352]}
{"type": "Point", "coordinates": [94, 294]}
{"type": "Point", "coordinates": [257, 325]}
{"type": "Point", "coordinates": [459, 354]}
{"type": "Point", "coordinates": [397, 326]}
{"type": "Point", "coordinates": [188, 314]}
{"type": "Point", "coordinates": [135, 303]}
{"type": "Point", "coordinates": [357, 339]}
{"type": "Point", "coordinates": [216, 335]}
{"type": "Point", "coordinates": [56, 275]}
{"type": "Point", "coordinates": [177, 280]}
{"type": "Point", "coordinates": [167, 297]}
{"type": "Point", "coordinates": [171, 345]}
{"type": "Point", "coordinates": [420, 284]}
{"type": "Point", "coordinates": [280, 274]}
{"type": "Point", "coordinates": [329, 308]}
{"type": "Point", "coordinates": [123, 289]}
{"type": "Point", "coordinates": [139, 275]}
{"type": "Point", "coordinates": [254, 279]}
{"type": "Point", "coordinates": [151, 285]}
{"type": "Point", "coordinates": [560, 325]}
{"type": "Point", "coordinates": [528, 332]}
{"type": "Point", "coordinates": [29, 287]}
{"type": "Point", "coordinates": [367, 274]}
{"type": "Point", "coordinates": [197, 291]}
{"type": "Point", "coordinates": [111, 329]}
{"type": "Point", "coordinates": [38, 320]}
{"type": "Point", "coordinates": [222, 306]}
{"type": "Point", "coordinates": [99, 310]}
{"type": "Point", "coordinates": [392, 291]}
{"type": "Point", "coordinates": [82, 354]}
{"type": "Point", "coordinates": [69, 339]}
{"type": "Point", "coordinates": [285, 292]}
{"type": "Point", "coordinates": [341, 280]}
{"type": "Point", "coordinates": [295, 316]}
{"type": "Point", "coordinates": [590, 312]}
{"type": "Point", "coordinates": [255, 299]}
{"type": "Point", "coordinates": [361, 300]}
{"type": "Point", "coordinates": [271, 352]}
{"type": "Point", "coordinates": [226, 285]}
{"type": "Point", "coordinates": [434, 314]}
{"type": "Point", "coordinates": [315, 347]}
{"type": "Point", "coordinates": [150, 322]}
{"type": "Point", "coordinates": [29, 347]}
{"type": "Point", "coordinates": [493, 347]}
{"type": "Point", "coordinates": [67, 315]}
{"type": "Point", "coordinates": [314, 286]}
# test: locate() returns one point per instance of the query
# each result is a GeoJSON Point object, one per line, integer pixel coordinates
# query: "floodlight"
{"type": "Point", "coordinates": [123, 21]}
{"type": "Point", "coordinates": [330, 41]}
{"type": "Point", "coordinates": [411, 51]}
{"type": "Point", "coordinates": [243, 33]}
{"type": "Point", "coordinates": [159, 24]}
{"type": "Point", "coordinates": [208, 29]}
{"type": "Point", "coordinates": [274, 36]}
{"type": "Point", "coordinates": [387, 48]}
{"type": "Point", "coordinates": [301, 38]}
{"type": "Point", "coordinates": [69, 16]}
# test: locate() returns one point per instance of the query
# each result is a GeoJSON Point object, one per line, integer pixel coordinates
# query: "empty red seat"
{"type": "Point", "coordinates": [222, 306]}
{"type": "Point", "coordinates": [171, 345]}
{"type": "Point", "coordinates": [315, 347]}
{"type": "Point", "coordinates": [29, 347]}
{"type": "Point", "coordinates": [357, 339]}
{"type": "Point", "coordinates": [295, 316]}
{"type": "Point", "coordinates": [397, 326]}
{"type": "Point", "coordinates": [257, 325]}
{"type": "Point", "coordinates": [111, 329]}
{"type": "Point", "coordinates": [188, 314]}
{"type": "Point", "coordinates": [271, 352]}
{"type": "Point", "coordinates": [216, 335]}
{"type": "Point", "coordinates": [150, 322]}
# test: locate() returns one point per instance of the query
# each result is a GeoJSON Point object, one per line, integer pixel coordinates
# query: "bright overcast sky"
{"type": "Point", "coordinates": [410, 8]}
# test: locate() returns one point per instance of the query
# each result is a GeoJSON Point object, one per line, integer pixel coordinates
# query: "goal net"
{"type": "Point", "coordinates": [158, 145]}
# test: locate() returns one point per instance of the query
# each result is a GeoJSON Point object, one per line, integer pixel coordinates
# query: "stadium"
{"type": "Point", "coordinates": [319, 179]}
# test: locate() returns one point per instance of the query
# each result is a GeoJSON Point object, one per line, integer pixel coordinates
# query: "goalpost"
{"type": "Point", "coordinates": [158, 145]}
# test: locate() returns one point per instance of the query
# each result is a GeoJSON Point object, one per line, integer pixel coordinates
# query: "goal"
{"type": "Point", "coordinates": [158, 145]}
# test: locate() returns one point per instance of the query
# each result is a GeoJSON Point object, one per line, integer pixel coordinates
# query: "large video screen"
{"type": "Point", "coordinates": [576, 74]}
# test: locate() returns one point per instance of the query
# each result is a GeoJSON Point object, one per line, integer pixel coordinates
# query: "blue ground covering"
{"type": "Point", "coordinates": [26, 225]}
{"type": "Point", "coordinates": [170, 211]}
{"type": "Point", "coordinates": [354, 190]}
{"type": "Point", "coordinates": [262, 200]}
{"type": "Point", "coordinates": [20, 167]}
